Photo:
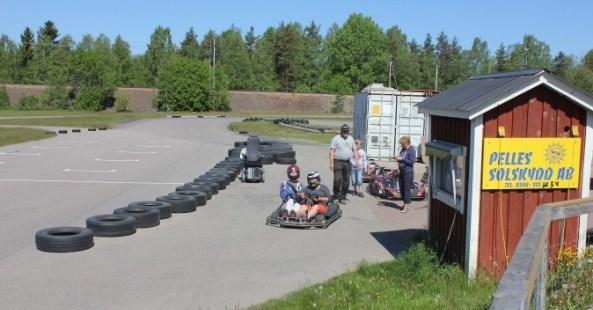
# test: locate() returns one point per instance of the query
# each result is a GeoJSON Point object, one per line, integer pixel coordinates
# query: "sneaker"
{"type": "Point", "coordinates": [361, 195]}
{"type": "Point", "coordinates": [292, 214]}
{"type": "Point", "coordinates": [342, 201]}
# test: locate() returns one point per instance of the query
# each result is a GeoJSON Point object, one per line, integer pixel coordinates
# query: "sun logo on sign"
{"type": "Point", "coordinates": [555, 153]}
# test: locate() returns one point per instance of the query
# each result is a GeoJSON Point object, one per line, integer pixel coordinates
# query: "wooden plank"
{"type": "Point", "coordinates": [516, 206]}
{"type": "Point", "coordinates": [534, 129]}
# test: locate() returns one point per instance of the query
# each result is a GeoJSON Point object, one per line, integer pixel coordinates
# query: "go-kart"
{"type": "Point", "coordinates": [386, 186]}
{"type": "Point", "coordinates": [251, 157]}
{"type": "Point", "coordinates": [372, 171]}
{"type": "Point", "coordinates": [281, 218]}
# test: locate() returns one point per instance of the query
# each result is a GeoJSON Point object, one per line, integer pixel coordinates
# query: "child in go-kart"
{"type": "Point", "coordinates": [390, 185]}
{"type": "Point", "coordinates": [316, 197]}
{"type": "Point", "coordinates": [291, 191]}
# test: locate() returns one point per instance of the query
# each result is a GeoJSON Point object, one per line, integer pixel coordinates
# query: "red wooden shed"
{"type": "Point", "coordinates": [482, 198]}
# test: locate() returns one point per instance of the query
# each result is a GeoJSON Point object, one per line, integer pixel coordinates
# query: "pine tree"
{"type": "Point", "coordinates": [478, 57]}
{"type": "Point", "coordinates": [123, 61]}
{"type": "Point", "coordinates": [250, 40]}
{"type": "Point", "coordinates": [289, 55]}
{"type": "Point", "coordinates": [562, 65]}
{"type": "Point", "coordinates": [159, 49]}
{"type": "Point", "coordinates": [312, 59]}
{"type": "Point", "coordinates": [263, 62]}
{"type": "Point", "coordinates": [234, 59]}
{"type": "Point", "coordinates": [427, 64]}
{"type": "Point", "coordinates": [501, 58]}
{"type": "Point", "coordinates": [48, 32]}
{"type": "Point", "coordinates": [190, 46]}
{"type": "Point", "coordinates": [404, 70]}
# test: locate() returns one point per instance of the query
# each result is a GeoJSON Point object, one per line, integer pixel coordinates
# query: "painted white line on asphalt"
{"type": "Point", "coordinates": [20, 154]}
{"type": "Point", "coordinates": [75, 142]}
{"type": "Point", "coordinates": [51, 147]}
{"type": "Point", "coordinates": [89, 181]}
{"type": "Point", "coordinates": [118, 160]}
{"type": "Point", "coordinates": [154, 146]}
{"type": "Point", "coordinates": [137, 152]}
{"type": "Point", "coordinates": [93, 171]}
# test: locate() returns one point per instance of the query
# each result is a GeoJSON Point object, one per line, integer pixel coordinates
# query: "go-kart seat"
{"type": "Point", "coordinates": [253, 157]}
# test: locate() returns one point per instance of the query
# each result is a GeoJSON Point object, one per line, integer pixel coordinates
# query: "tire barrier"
{"type": "Point", "coordinates": [198, 196]}
{"type": "Point", "coordinates": [64, 239]}
{"type": "Point", "coordinates": [144, 214]}
{"type": "Point", "coordinates": [179, 204]}
{"type": "Point", "coordinates": [111, 225]}
{"type": "Point", "coordinates": [145, 217]}
{"type": "Point", "coordinates": [164, 208]}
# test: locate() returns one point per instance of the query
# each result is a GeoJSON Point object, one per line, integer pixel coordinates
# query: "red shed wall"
{"type": "Point", "coordinates": [453, 130]}
{"type": "Point", "coordinates": [540, 112]}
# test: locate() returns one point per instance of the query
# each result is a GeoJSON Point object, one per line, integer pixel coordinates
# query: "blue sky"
{"type": "Point", "coordinates": [565, 25]}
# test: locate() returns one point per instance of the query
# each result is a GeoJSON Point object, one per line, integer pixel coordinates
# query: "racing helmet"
{"type": "Point", "coordinates": [293, 172]}
{"type": "Point", "coordinates": [313, 178]}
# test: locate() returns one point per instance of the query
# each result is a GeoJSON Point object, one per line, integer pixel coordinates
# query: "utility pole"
{"type": "Point", "coordinates": [390, 66]}
{"type": "Point", "coordinates": [214, 62]}
{"type": "Point", "coordinates": [436, 78]}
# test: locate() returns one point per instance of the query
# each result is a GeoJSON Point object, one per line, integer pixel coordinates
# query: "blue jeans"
{"type": "Point", "coordinates": [356, 177]}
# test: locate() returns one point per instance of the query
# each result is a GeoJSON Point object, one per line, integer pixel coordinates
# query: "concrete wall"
{"type": "Point", "coordinates": [141, 99]}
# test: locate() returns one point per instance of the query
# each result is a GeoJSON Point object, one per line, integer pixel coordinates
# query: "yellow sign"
{"type": "Point", "coordinates": [531, 163]}
{"type": "Point", "coordinates": [375, 109]}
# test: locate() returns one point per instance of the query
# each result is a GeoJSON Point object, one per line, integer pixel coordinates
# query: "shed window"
{"type": "Point", "coordinates": [448, 172]}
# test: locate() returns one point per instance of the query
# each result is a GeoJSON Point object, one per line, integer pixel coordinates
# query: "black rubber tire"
{"type": "Point", "coordinates": [111, 225]}
{"type": "Point", "coordinates": [62, 131]}
{"type": "Point", "coordinates": [267, 159]}
{"type": "Point", "coordinates": [285, 161]}
{"type": "Point", "coordinates": [287, 154]}
{"type": "Point", "coordinates": [75, 130]}
{"type": "Point", "coordinates": [163, 207]}
{"type": "Point", "coordinates": [179, 203]}
{"type": "Point", "coordinates": [240, 144]}
{"type": "Point", "coordinates": [221, 180]}
{"type": "Point", "coordinates": [216, 186]}
{"type": "Point", "coordinates": [92, 129]}
{"type": "Point", "coordinates": [102, 128]}
{"type": "Point", "coordinates": [64, 239]}
{"type": "Point", "coordinates": [332, 209]}
{"type": "Point", "coordinates": [145, 217]}
{"type": "Point", "coordinates": [197, 188]}
{"type": "Point", "coordinates": [243, 132]}
{"type": "Point", "coordinates": [198, 196]}
{"type": "Point", "coordinates": [175, 116]}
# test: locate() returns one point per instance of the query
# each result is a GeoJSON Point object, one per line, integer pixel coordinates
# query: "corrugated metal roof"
{"type": "Point", "coordinates": [481, 93]}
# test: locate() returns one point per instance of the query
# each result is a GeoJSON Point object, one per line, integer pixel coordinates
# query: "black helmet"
{"type": "Point", "coordinates": [313, 178]}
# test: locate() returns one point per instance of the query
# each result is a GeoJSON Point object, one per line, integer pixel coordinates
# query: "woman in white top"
{"type": "Point", "coordinates": [358, 168]}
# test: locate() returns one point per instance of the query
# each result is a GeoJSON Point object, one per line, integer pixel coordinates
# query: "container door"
{"type": "Point", "coordinates": [380, 126]}
{"type": "Point", "coordinates": [410, 122]}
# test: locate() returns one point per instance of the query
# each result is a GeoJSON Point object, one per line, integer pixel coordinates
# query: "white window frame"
{"type": "Point", "coordinates": [441, 152]}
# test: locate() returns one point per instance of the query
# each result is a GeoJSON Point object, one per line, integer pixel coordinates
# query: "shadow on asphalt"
{"type": "Point", "coordinates": [396, 241]}
{"type": "Point", "coordinates": [389, 204]}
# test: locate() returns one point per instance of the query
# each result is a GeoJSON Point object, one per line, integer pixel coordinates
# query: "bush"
{"type": "Point", "coordinates": [56, 97]}
{"type": "Point", "coordinates": [29, 103]}
{"type": "Point", "coordinates": [4, 100]}
{"type": "Point", "coordinates": [185, 85]}
{"type": "Point", "coordinates": [122, 104]}
{"type": "Point", "coordinates": [569, 283]}
{"type": "Point", "coordinates": [91, 98]}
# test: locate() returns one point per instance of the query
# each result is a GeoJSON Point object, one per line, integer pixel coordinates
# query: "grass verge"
{"type": "Point", "coordinates": [272, 130]}
{"type": "Point", "coordinates": [85, 119]}
{"type": "Point", "coordinates": [19, 135]}
{"type": "Point", "coordinates": [415, 280]}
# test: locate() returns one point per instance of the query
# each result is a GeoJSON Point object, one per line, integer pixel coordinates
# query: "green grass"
{"type": "Point", "coordinates": [19, 135]}
{"type": "Point", "coordinates": [415, 280]}
{"type": "Point", "coordinates": [272, 130]}
{"type": "Point", "coordinates": [569, 282]}
{"type": "Point", "coordinates": [86, 119]}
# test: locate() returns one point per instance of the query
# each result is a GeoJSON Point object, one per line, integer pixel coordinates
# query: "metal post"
{"type": "Point", "coordinates": [214, 62]}
{"type": "Point", "coordinates": [390, 64]}
{"type": "Point", "coordinates": [436, 78]}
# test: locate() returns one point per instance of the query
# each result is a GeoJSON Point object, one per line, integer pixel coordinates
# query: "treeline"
{"type": "Point", "coordinates": [289, 57]}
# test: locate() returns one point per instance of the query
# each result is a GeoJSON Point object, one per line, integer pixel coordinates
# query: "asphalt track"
{"type": "Point", "coordinates": [221, 256]}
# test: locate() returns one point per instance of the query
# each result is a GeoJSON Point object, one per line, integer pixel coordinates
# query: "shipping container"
{"type": "Point", "coordinates": [382, 115]}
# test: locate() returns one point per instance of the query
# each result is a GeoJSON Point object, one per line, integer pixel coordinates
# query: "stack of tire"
{"type": "Point", "coordinates": [272, 152]}
{"type": "Point", "coordinates": [146, 214]}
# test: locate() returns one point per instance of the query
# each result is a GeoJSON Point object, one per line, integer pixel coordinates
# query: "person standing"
{"type": "Point", "coordinates": [359, 169]}
{"type": "Point", "coordinates": [406, 159]}
{"type": "Point", "coordinates": [340, 152]}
